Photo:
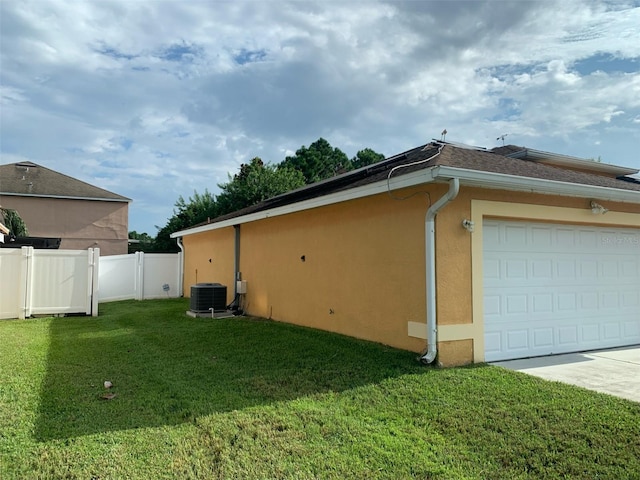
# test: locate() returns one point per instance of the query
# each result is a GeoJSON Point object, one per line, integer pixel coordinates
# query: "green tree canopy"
{"type": "Point", "coordinates": [255, 182]}
{"type": "Point", "coordinates": [186, 214]}
{"type": "Point", "coordinates": [318, 161]}
{"type": "Point", "coordinates": [366, 157]}
{"type": "Point", "coordinates": [143, 242]}
{"type": "Point", "coordinates": [13, 221]}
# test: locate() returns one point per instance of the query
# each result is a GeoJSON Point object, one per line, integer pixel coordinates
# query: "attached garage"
{"type": "Point", "coordinates": [558, 288]}
{"type": "Point", "coordinates": [480, 255]}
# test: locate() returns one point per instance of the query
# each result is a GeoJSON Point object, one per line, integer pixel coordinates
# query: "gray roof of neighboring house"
{"type": "Point", "coordinates": [451, 156]}
{"type": "Point", "coordinates": [31, 179]}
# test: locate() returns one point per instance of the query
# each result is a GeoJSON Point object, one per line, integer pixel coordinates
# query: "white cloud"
{"type": "Point", "coordinates": [176, 94]}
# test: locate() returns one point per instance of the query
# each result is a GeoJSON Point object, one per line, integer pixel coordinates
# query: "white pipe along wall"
{"type": "Point", "coordinates": [430, 251]}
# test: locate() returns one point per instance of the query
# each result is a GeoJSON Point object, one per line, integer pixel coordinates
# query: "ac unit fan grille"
{"type": "Point", "coordinates": [207, 296]}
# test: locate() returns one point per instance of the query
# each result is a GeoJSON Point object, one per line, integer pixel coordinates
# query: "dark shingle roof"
{"type": "Point", "coordinates": [493, 161]}
{"type": "Point", "coordinates": [27, 178]}
{"type": "Point", "coordinates": [496, 163]}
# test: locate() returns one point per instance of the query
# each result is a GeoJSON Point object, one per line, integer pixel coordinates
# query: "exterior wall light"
{"type": "Point", "coordinates": [468, 225]}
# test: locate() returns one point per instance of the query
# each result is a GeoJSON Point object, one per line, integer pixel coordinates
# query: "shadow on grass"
{"type": "Point", "coordinates": [167, 368]}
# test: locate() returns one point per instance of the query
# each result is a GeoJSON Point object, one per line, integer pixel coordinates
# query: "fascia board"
{"type": "Point", "coordinates": [67, 197]}
{"type": "Point", "coordinates": [396, 183]}
{"type": "Point", "coordinates": [469, 178]}
{"type": "Point", "coordinates": [540, 156]}
{"type": "Point", "coordinates": [477, 178]}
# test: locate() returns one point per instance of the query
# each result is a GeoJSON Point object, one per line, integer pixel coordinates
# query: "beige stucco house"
{"type": "Point", "coordinates": [55, 205]}
{"type": "Point", "coordinates": [459, 253]}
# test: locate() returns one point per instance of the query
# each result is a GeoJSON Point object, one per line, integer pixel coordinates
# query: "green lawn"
{"type": "Point", "coordinates": [245, 398]}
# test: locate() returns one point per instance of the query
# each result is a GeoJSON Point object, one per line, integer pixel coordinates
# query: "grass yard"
{"type": "Point", "coordinates": [246, 398]}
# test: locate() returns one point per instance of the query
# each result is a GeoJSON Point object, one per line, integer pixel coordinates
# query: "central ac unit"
{"type": "Point", "coordinates": [208, 296]}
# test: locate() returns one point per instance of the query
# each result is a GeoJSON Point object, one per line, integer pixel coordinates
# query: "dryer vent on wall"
{"type": "Point", "coordinates": [205, 296]}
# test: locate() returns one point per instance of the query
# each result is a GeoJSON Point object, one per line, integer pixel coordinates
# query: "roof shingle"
{"type": "Point", "coordinates": [30, 179]}
{"type": "Point", "coordinates": [424, 157]}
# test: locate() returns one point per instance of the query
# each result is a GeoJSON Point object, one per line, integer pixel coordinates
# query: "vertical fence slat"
{"type": "Point", "coordinates": [95, 281]}
{"type": "Point", "coordinates": [139, 275]}
{"type": "Point", "coordinates": [26, 283]}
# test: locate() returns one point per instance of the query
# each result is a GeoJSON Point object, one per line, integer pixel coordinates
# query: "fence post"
{"type": "Point", "coordinates": [94, 279]}
{"type": "Point", "coordinates": [140, 275]}
{"type": "Point", "coordinates": [25, 287]}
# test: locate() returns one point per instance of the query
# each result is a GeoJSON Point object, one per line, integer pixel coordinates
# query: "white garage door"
{"type": "Point", "coordinates": [553, 288]}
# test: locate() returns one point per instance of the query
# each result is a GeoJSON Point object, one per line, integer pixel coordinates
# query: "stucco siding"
{"type": "Point", "coordinates": [362, 273]}
{"type": "Point", "coordinates": [358, 267]}
{"type": "Point", "coordinates": [210, 258]}
{"type": "Point", "coordinates": [80, 223]}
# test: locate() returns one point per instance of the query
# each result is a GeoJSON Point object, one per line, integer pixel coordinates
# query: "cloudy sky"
{"type": "Point", "coordinates": [156, 99]}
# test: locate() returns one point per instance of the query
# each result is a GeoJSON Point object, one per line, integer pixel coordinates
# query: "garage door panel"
{"type": "Point", "coordinates": [631, 300]}
{"type": "Point", "coordinates": [558, 271]}
{"type": "Point", "coordinates": [558, 288]}
{"type": "Point", "coordinates": [543, 337]}
{"type": "Point", "coordinates": [591, 334]}
{"type": "Point", "coordinates": [568, 336]}
{"type": "Point", "coordinates": [631, 329]}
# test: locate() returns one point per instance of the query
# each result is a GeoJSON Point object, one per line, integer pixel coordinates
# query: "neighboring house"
{"type": "Point", "coordinates": [56, 205]}
{"type": "Point", "coordinates": [469, 254]}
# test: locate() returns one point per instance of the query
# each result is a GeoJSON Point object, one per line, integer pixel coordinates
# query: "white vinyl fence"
{"type": "Point", "coordinates": [140, 276]}
{"type": "Point", "coordinates": [50, 282]}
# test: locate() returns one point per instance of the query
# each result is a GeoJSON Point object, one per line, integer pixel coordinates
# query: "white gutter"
{"type": "Point", "coordinates": [430, 252]}
{"type": "Point", "coordinates": [402, 181]}
{"type": "Point", "coordinates": [503, 181]}
{"type": "Point", "coordinates": [540, 156]}
{"type": "Point", "coordinates": [470, 178]}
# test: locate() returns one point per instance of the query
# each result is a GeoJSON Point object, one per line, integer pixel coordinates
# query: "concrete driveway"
{"type": "Point", "coordinates": [614, 371]}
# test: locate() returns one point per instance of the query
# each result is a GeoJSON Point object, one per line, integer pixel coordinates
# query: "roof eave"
{"type": "Point", "coordinates": [540, 156]}
{"type": "Point", "coordinates": [503, 181]}
{"type": "Point", "coordinates": [67, 197]}
{"type": "Point", "coordinates": [395, 183]}
{"type": "Point", "coordinates": [469, 178]}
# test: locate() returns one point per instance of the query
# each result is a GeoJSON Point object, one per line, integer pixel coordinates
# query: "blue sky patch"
{"type": "Point", "coordinates": [507, 72]}
{"type": "Point", "coordinates": [245, 56]}
{"type": "Point", "coordinates": [180, 53]}
{"type": "Point", "coordinates": [126, 143]}
{"type": "Point", "coordinates": [607, 63]}
{"type": "Point", "coordinates": [114, 53]}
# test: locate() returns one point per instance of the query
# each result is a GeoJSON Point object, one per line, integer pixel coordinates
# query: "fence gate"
{"type": "Point", "coordinates": [48, 282]}
{"type": "Point", "coordinates": [140, 276]}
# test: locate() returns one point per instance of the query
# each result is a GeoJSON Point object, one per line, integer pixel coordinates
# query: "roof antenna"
{"type": "Point", "coordinates": [443, 135]}
{"type": "Point", "coordinates": [502, 137]}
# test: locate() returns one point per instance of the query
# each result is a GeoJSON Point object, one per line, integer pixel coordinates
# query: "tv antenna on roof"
{"type": "Point", "coordinates": [502, 137]}
{"type": "Point", "coordinates": [443, 135]}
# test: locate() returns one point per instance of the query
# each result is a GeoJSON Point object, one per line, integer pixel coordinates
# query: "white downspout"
{"type": "Point", "coordinates": [430, 251]}
{"type": "Point", "coordinates": [181, 267]}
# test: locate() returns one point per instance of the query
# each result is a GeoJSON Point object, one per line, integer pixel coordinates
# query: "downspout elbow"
{"type": "Point", "coordinates": [431, 352]}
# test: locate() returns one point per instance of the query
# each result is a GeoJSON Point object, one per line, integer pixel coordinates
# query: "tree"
{"type": "Point", "coordinates": [366, 157]}
{"type": "Point", "coordinates": [143, 242]}
{"type": "Point", "coordinates": [319, 161]}
{"type": "Point", "coordinates": [13, 221]}
{"type": "Point", "coordinates": [254, 183]}
{"type": "Point", "coordinates": [199, 208]}
{"type": "Point", "coordinates": [257, 181]}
